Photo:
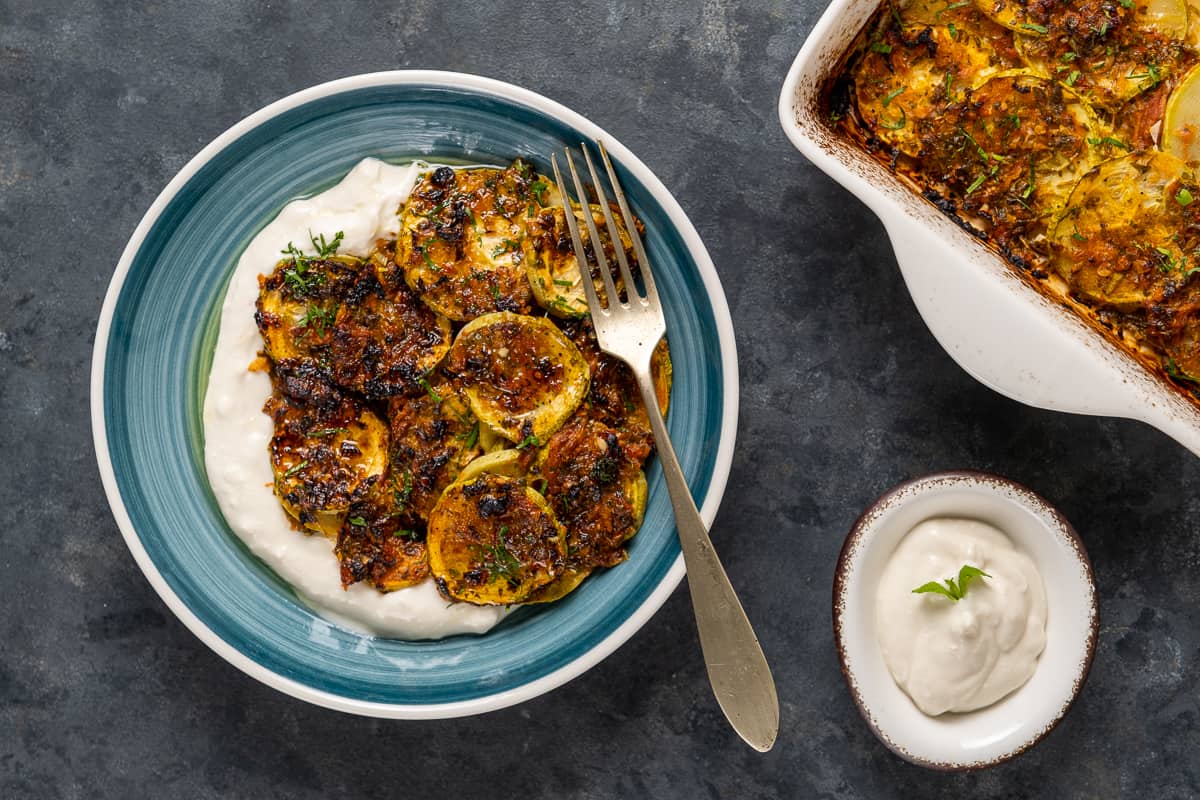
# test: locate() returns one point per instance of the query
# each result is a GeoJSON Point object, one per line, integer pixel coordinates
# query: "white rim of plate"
{"type": "Point", "coordinates": [712, 499]}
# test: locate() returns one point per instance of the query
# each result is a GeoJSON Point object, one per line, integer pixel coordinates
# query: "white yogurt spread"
{"type": "Point", "coordinates": [236, 431]}
{"type": "Point", "coordinates": [960, 655]}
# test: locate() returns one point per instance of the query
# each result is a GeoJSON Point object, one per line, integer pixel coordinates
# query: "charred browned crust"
{"type": "Point", "coordinates": [375, 545]}
{"type": "Point", "coordinates": [384, 341]}
{"type": "Point", "coordinates": [588, 469]}
{"type": "Point", "coordinates": [507, 364]}
{"type": "Point", "coordinates": [433, 436]}
{"type": "Point", "coordinates": [317, 466]}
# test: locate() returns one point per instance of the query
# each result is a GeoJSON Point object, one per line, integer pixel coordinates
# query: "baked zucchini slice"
{"type": "Point", "coordinates": [1128, 63]}
{"type": "Point", "coordinates": [433, 436]}
{"type": "Point", "coordinates": [374, 545]}
{"type": "Point", "coordinates": [1127, 229]}
{"type": "Point", "coordinates": [461, 245]}
{"type": "Point", "coordinates": [1181, 118]}
{"type": "Point", "coordinates": [492, 541]}
{"type": "Point", "coordinates": [572, 575]}
{"type": "Point", "coordinates": [520, 375]}
{"type": "Point", "coordinates": [383, 342]}
{"type": "Point", "coordinates": [553, 269]}
{"type": "Point", "coordinates": [613, 397]}
{"type": "Point", "coordinates": [1013, 151]}
{"type": "Point", "coordinates": [323, 461]}
{"type": "Point", "coordinates": [910, 75]}
{"type": "Point", "coordinates": [596, 487]}
{"type": "Point", "coordinates": [298, 304]}
{"type": "Point", "coordinates": [511, 463]}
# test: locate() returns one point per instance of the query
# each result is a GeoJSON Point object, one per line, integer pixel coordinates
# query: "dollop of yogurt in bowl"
{"type": "Point", "coordinates": [959, 654]}
{"type": "Point", "coordinates": [363, 207]}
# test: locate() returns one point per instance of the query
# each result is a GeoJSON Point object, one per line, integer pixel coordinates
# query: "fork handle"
{"type": "Point", "coordinates": [737, 668]}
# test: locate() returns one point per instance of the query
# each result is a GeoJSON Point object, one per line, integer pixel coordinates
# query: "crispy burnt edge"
{"type": "Point", "coordinates": [836, 111]}
{"type": "Point", "coordinates": [379, 363]}
{"type": "Point", "coordinates": [376, 544]}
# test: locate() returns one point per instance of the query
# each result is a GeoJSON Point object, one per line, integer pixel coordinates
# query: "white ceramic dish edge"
{"type": "Point", "coordinates": [998, 328]}
{"type": "Point", "coordinates": [708, 508]}
{"type": "Point", "coordinates": [1017, 722]}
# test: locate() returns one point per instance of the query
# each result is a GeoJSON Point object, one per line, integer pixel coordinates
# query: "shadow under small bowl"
{"type": "Point", "coordinates": [1017, 722]}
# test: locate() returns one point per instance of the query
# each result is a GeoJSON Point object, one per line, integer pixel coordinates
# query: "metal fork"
{"type": "Point", "coordinates": [630, 330]}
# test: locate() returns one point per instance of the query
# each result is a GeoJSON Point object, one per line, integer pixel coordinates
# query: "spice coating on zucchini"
{"type": "Point", "coordinates": [519, 374]}
{"type": "Point", "coordinates": [461, 239]}
{"type": "Point", "coordinates": [492, 540]}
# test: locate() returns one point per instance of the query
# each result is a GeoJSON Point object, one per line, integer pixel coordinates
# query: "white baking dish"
{"type": "Point", "coordinates": [997, 327]}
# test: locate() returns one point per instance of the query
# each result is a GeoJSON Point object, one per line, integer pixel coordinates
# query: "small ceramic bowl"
{"type": "Point", "coordinates": [1020, 720]}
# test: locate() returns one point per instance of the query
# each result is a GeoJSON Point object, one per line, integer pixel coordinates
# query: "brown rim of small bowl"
{"type": "Point", "coordinates": [839, 580]}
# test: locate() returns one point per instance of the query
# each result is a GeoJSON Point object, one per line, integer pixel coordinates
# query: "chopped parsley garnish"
{"type": "Point", "coordinates": [470, 437]}
{"type": "Point", "coordinates": [890, 96]}
{"type": "Point", "coordinates": [1168, 262]}
{"type": "Point", "coordinates": [1033, 26]}
{"type": "Point", "coordinates": [325, 249]}
{"type": "Point", "coordinates": [296, 469]}
{"type": "Point", "coordinates": [424, 384]}
{"type": "Point", "coordinates": [317, 318]}
{"type": "Point", "coordinates": [428, 261]}
{"type": "Point", "coordinates": [981, 179]}
{"type": "Point", "coordinates": [401, 496]}
{"type": "Point", "coordinates": [529, 441]}
{"type": "Point", "coordinates": [1029, 189]}
{"type": "Point", "coordinates": [1175, 372]}
{"type": "Point", "coordinates": [358, 522]}
{"type": "Point", "coordinates": [1150, 78]}
{"type": "Point", "coordinates": [881, 47]}
{"type": "Point", "coordinates": [320, 433]}
{"type": "Point", "coordinates": [898, 124]}
{"type": "Point", "coordinates": [539, 189]}
{"type": "Point", "coordinates": [497, 557]}
{"type": "Point", "coordinates": [558, 282]}
{"type": "Point", "coordinates": [1110, 141]}
{"type": "Point", "coordinates": [506, 246]}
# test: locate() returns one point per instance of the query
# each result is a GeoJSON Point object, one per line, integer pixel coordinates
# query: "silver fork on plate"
{"type": "Point", "coordinates": [630, 330]}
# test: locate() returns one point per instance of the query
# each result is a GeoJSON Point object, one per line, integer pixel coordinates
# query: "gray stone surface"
{"type": "Point", "coordinates": [844, 393]}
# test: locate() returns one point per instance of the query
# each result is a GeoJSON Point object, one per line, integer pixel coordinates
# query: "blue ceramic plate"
{"type": "Point", "coordinates": [154, 345]}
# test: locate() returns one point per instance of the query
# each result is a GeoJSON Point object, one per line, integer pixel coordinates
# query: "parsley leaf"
{"type": "Point", "coordinates": [955, 590]}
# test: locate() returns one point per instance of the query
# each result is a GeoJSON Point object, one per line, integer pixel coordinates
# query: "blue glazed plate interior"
{"type": "Point", "coordinates": [159, 350]}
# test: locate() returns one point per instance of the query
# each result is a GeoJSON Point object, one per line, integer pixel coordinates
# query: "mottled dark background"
{"type": "Point", "coordinates": [844, 393]}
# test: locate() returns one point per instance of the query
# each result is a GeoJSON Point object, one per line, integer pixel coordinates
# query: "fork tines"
{"type": "Point", "coordinates": [599, 310]}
